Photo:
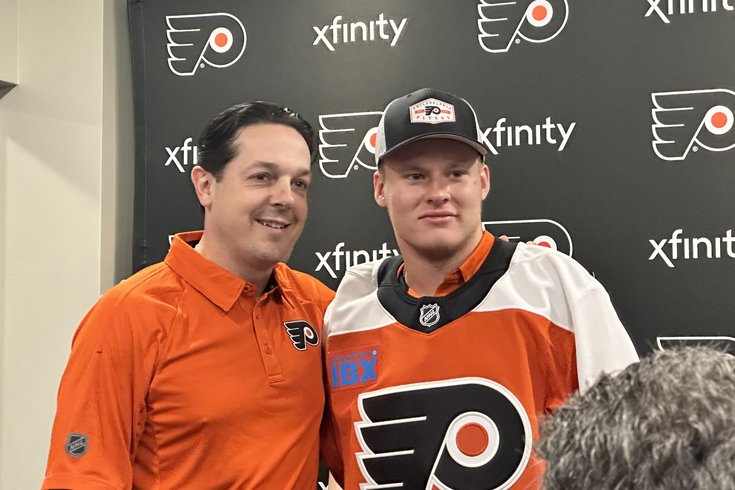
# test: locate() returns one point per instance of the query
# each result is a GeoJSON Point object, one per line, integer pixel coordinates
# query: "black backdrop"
{"type": "Point", "coordinates": [610, 124]}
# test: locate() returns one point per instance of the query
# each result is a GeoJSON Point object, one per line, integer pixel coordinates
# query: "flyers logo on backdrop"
{"type": "Point", "coordinates": [545, 232]}
{"type": "Point", "coordinates": [347, 142]}
{"type": "Point", "coordinates": [688, 120]}
{"type": "Point", "coordinates": [198, 40]}
{"type": "Point", "coordinates": [503, 22]}
{"type": "Point", "coordinates": [450, 432]}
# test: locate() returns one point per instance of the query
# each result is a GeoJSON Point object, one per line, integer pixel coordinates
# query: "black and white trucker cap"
{"type": "Point", "coordinates": [427, 113]}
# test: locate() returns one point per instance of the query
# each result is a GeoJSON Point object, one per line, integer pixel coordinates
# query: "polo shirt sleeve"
{"type": "Point", "coordinates": [101, 405]}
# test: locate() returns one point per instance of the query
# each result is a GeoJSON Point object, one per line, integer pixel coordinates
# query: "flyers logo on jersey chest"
{"type": "Point", "coordinates": [462, 433]}
{"type": "Point", "coordinates": [353, 368]}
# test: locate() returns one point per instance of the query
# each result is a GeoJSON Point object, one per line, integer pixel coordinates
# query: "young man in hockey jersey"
{"type": "Point", "coordinates": [440, 361]}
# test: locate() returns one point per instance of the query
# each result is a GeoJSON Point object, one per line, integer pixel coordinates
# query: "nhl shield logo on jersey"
{"type": "Point", "coordinates": [431, 111]}
{"type": "Point", "coordinates": [301, 334]}
{"type": "Point", "coordinates": [76, 445]}
{"type": "Point", "coordinates": [429, 315]}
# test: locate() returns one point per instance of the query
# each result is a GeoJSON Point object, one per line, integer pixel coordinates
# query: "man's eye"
{"type": "Point", "coordinates": [261, 177]}
{"type": "Point", "coordinates": [301, 184]}
{"type": "Point", "coordinates": [414, 176]}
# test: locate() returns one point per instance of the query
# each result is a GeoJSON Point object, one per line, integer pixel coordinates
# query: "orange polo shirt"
{"type": "Point", "coordinates": [179, 377]}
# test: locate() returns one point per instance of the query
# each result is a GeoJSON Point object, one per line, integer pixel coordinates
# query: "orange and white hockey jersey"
{"type": "Point", "coordinates": [445, 392]}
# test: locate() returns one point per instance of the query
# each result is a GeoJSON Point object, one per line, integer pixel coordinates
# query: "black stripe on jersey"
{"type": "Point", "coordinates": [393, 291]}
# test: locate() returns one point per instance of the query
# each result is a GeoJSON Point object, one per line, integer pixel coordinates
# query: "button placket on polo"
{"type": "Point", "coordinates": [263, 324]}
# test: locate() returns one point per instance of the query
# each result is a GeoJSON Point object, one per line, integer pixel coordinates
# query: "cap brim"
{"type": "Point", "coordinates": [479, 147]}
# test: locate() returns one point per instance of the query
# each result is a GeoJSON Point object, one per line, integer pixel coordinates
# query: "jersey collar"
{"type": "Point", "coordinates": [465, 271]}
{"type": "Point", "coordinates": [219, 285]}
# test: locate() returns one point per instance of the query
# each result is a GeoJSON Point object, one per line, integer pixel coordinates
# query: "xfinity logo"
{"type": "Point", "coordinates": [664, 8]}
{"type": "Point", "coordinates": [351, 32]}
{"type": "Point", "coordinates": [182, 156]}
{"type": "Point", "coordinates": [672, 249]}
{"type": "Point", "coordinates": [548, 132]}
{"type": "Point", "coordinates": [339, 259]}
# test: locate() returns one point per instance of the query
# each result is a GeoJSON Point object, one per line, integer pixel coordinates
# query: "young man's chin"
{"type": "Point", "coordinates": [439, 250]}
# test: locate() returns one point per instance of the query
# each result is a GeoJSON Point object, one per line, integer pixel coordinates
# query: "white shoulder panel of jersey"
{"type": "Point", "coordinates": [541, 281]}
{"type": "Point", "coordinates": [554, 286]}
{"type": "Point", "coordinates": [355, 306]}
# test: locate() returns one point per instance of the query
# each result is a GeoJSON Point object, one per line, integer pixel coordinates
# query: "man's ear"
{"type": "Point", "coordinates": [378, 189]}
{"type": "Point", "coordinates": [203, 182]}
{"type": "Point", "coordinates": [485, 180]}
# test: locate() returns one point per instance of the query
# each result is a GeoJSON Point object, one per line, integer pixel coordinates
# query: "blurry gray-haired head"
{"type": "Point", "coordinates": [667, 422]}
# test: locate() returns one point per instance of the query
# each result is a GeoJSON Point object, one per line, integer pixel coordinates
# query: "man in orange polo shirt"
{"type": "Point", "coordinates": [441, 360]}
{"type": "Point", "coordinates": [204, 370]}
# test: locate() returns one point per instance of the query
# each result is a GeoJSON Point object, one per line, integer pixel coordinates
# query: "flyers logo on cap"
{"type": "Point", "coordinates": [431, 111]}
{"type": "Point", "coordinates": [503, 22]}
{"type": "Point", "coordinates": [347, 142]}
{"type": "Point", "coordinates": [198, 40]}
{"type": "Point", "coordinates": [688, 120]}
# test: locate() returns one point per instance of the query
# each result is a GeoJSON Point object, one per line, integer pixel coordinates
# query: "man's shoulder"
{"type": "Point", "coordinates": [356, 306]}
{"type": "Point", "coordinates": [364, 276]}
{"type": "Point", "coordinates": [544, 262]}
{"type": "Point", "coordinates": [142, 305]}
{"type": "Point", "coordinates": [358, 285]}
{"type": "Point", "coordinates": [156, 286]}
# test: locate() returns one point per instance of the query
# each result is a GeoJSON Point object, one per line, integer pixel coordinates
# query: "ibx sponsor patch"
{"type": "Point", "coordinates": [354, 368]}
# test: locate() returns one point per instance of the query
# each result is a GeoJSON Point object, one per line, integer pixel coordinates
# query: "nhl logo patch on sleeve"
{"type": "Point", "coordinates": [77, 445]}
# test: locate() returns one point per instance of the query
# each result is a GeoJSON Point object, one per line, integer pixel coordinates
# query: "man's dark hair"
{"type": "Point", "coordinates": [216, 143]}
{"type": "Point", "coordinates": [666, 422]}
